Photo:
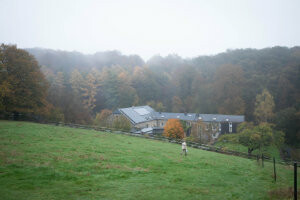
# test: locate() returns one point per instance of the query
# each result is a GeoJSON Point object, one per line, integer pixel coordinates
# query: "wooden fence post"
{"type": "Point", "coordinates": [295, 180]}
{"type": "Point", "coordinates": [274, 169]}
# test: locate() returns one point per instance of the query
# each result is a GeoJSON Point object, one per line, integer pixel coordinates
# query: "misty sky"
{"type": "Point", "coordinates": [185, 27]}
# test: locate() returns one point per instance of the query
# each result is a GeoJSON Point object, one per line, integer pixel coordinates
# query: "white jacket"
{"type": "Point", "coordinates": [183, 146]}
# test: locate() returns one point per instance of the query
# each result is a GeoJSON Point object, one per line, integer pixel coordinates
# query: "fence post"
{"type": "Point", "coordinates": [295, 180]}
{"type": "Point", "coordinates": [274, 169]}
{"type": "Point", "coordinates": [262, 160]}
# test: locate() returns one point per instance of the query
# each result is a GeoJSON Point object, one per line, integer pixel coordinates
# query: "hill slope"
{"type": "Point", "coordinates": [49, 162]}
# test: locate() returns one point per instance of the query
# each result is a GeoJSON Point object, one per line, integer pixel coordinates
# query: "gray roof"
{"type": "Point", "coordinates": [181, 116]}
{"type": "Point", "coordinates": [146, 113]}
{"type": "Point", "coordinates": [220, 118]}
{"type": "Point", "coordinates": [116, 112]}
{"type": "Point", "coordinates": [138, 114]}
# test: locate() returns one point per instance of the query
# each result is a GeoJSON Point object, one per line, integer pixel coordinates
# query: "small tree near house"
{"type": "Point", "coordinates": [173, 129]}
{"type": "Point", "coordinates": [259, 137]}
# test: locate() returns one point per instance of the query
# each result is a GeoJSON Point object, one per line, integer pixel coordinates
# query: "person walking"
{"type": "Point", "coordinates": [184, 148]}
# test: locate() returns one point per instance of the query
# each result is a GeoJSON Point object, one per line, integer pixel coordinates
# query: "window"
{"type": "Point", "coordinates": [207, 127]}
{"type": "Point", "coordinates": [214, 126]}
{"type": "Point", "coordinates": [162, 124]}
{"type": "Point", "coordinates": [230, 127]}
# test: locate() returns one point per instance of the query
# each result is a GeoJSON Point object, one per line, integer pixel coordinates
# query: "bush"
{"type": "Point", "coordinates": [121, 123]}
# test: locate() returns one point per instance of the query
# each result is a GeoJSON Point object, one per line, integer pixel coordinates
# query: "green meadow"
{"type": "Point", "coordinates": [49, 162]}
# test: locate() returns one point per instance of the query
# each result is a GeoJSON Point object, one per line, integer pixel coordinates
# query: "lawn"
{"type": "Point", "coordinates": [49, 162]}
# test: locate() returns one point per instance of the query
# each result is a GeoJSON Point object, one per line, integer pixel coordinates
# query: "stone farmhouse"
{"type": "Point", "coordinates": [145, 119]}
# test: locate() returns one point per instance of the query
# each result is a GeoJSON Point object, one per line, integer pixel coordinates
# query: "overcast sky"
{"type": "Point", "coordinates": [185, 27]}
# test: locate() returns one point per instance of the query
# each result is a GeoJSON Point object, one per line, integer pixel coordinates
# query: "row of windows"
{"type": "Point", "coordinates": [214, 126]}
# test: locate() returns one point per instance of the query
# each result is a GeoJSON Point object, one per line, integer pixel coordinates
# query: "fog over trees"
{"type": "Point", "coordinates": [81, 86]}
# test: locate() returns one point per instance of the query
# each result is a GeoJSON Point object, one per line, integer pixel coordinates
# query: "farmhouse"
{"type": "Point", "coordinates": [145, 119]}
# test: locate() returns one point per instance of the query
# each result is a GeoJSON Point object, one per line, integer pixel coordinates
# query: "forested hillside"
{"type": "Point", "coordinates": [80, 86]}
{"type": "Point", "coordinates": [226, 83]}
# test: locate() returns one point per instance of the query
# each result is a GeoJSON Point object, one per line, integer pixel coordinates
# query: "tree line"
{"type": "Point", "coordinates": [77, 87]}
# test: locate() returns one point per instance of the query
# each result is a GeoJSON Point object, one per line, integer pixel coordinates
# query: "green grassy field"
{"type": "Point", "coordinates": [49, 162]}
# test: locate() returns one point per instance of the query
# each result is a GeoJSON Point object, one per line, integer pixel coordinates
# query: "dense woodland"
{"type": "Point", "coordinates": [79, 86]}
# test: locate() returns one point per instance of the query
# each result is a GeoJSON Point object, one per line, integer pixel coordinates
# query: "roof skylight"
{"type": "Point", "coordinates": [141, 111]}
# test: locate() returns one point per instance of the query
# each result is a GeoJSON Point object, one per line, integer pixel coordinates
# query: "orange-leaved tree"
{"type": "Point", "coordinates": [173, 129]}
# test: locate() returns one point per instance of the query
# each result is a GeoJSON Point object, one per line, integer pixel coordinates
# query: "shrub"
{"type": "Point", "coordinates": [121, 123]}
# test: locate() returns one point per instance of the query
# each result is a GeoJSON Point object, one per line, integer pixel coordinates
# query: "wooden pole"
{"type": "Point", "coordinates": [262, 160]}
{"type": "Point", "coordinates": [295, 181]}
{"type": "Point", "coordinates": [274, 169]}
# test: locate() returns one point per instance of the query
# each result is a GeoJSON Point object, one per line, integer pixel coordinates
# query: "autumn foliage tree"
{"type": "Point", "coordinates": [264, 106]}
{"type": "Point", "coordinates": [173, 129]}
{"type": "Point", "coordinates": [23, 87]}
{"type": "Point", "coordinates": [90, 90]}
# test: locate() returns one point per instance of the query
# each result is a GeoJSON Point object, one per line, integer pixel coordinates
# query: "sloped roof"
{"type": "Point", "coordinates": [138, 114]}
{"type": "Point", "coordinates": [220, 118]}
{"type": "Point", "coordinates": [141, 114]}
{"type": "Point", "coordinates": [181, 116]}
{"type": "Point", "coordinates": [116, 112]}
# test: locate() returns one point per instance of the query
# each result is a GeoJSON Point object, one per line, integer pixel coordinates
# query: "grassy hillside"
{"type": "Point", "coordinates": [49, 162]}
